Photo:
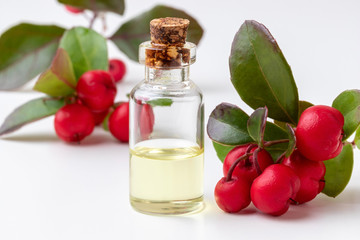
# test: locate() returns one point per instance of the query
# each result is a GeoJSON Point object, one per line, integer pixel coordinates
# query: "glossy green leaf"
{"type": "Point", "coordinates": [86, 48]}
{"type": "Point", "coordinates": [228, 125]}
{"type": "Point", "coordinates": [59, 80]}
{"type": "Point", "coordinates": [222, 150]}
{"type": "Point", "coordinates": [292, 141]}
{"type": "Point", "coordinates": [116, 6]}
{"type": "Point", "coordinates": [303, 105]}
{"type": "Point", "coordinates": [25, 51]}
{"type": "Point", "coordinates": [357, 138]}
{"type": "Point", "coordinates": [348, 103]}
{"type": "Point", "coordinates": [137, 30]}
{"type": "Point", "coordinates": [256, 125]}
{"type": "Point", "coordinates": [338, 171]}
{"type": "Point", "coordinates": [164, 102]}
{"type": "Point", "coordinates": [273, 132]}
{"type": "Point", "coordinates": [260, 73]}
{"type": "Point", "coordinates": [29, 112]}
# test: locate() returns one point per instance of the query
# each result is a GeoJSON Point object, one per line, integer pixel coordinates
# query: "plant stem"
{"type": "Point", "coordinates": [280, 158]}
{"type": "Point", "coordinates": [270, 143]}
{"type": "Point", "coordinates": [232, 168]}
{"type": "Point", "coordinates": [256, 161]}
{"type": "Point", "coordinates": [92, 20]}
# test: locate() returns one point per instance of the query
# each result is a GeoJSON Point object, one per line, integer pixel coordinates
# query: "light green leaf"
{"type": "Point", "coordinates": [338, 171]}
{"type": "Point", "coordinates": [348, 103]}
{"type": "Point", "coordinates": [87, 50]}
{"type": "Point", "coordinates": [59, 80]}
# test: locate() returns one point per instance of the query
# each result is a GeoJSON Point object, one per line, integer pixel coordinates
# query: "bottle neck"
{"type": "Point", "coordinates": [166, 75]}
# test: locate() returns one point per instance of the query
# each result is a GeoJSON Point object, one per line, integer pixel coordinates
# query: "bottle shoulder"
{"type": "Point", "coordinates": [180, 89]}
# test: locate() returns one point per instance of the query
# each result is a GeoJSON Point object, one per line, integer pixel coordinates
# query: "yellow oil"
{"type": "Point", "coordinates": [166, 176]}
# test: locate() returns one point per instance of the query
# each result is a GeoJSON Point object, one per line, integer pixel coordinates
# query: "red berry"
{"type": "Point", "coordinates": [72, 9]}
{"type": "Point", "coordinates": [97, 90]}
{"type": "Point", "coordinates": [117, 69]}
{"type": "Point", "coordinates": [311, 174]}
{"type": "Point", "coordinates": [119, 122]}
{"type": "Point", "coordinates": [232, 196]}
{"type": "Point", "coordinates": [73, 122]}
{"type": "Point", "coordinates": [146, 121]}
{"type": "Point", "coordinates": [99, 116]}
{"type": "Point", "coordinates": [319, 133]}
{"type": "Point", "coordinates": [274, 189]}
{"type": "Point", "coordinates": [246, 168]}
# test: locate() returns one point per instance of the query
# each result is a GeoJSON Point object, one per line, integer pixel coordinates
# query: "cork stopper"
{"type": "Point", "coordinates": [169, 31]}
{"type": "Point", "coordinates": [168, 47]}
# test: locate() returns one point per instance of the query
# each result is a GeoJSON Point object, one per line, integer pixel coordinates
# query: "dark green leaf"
{"type": "Point", "coordinates": [256, 125]}
{"type": "Point", "coordinates": [25, 51]}
{"type": "Point", "coordinates": [292, 140]}
{"type": "Point", "coordinates": [116, 6]}
{"type": "Point", "coordinates": [29, 112]}
{"type": "Point", "coordinates": [59, 80]}
{"type": "Point", "coordinates": [273, 132]}
{"type": "Point", "coordinates": [348, 103]}
{"type": "Point", "coordinates": [222, 150]}
{"type": "Point", "coordinates": [303, 105]}
{"type": "Point", "coordinates": [86, 48]}
{"type": "Point", "coordinates": [164, 102]}
{"type": "Point", "coordinates": [137, 30]}
{"type": "Point", "coordinates": [357, 138]}
{"type": "Point", "coordinates": [260, 73]}
{"type": "Point", "coordinates": [338, 171]}
{"type": "Point", "coordinates": [228, 125]}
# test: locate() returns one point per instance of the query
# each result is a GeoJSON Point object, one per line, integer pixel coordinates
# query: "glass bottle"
{"type": "Point", "coordinates": [166, 125]}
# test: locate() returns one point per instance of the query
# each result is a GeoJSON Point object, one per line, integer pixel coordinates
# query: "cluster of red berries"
{"type": "Point", "coordinates": [251, 175]}
{"type": "Point", "coordinates": [94, 100]}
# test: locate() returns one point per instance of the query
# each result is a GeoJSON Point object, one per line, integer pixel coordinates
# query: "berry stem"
{"type": "Point", "coordinates": [270, 143]}
{"type": "Point", "coordinates": [280, 158]}
{"type": "Point", "coordinates": [248, 150]}
{"type": "Point", "coordinates": [256, 162]}
{"type": "Point", "coordinates": [232, 168]}
{"type": "Point", "coordinates": [293, 201]}
{"type": "Point", "coordinates": [92, 20]}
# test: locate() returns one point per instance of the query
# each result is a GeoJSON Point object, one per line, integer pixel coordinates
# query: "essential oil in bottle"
{"type": "Point", "coordinates": [166, 125]}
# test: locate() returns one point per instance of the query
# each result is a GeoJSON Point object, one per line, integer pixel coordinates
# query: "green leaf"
{"type": "Point", "coordinates": [59, 80]}
{"type": "Point", "coordinates": [222, 150]}
{"type": "Point", "coordinates": [348, 103]}
{"type": "Point", "coordinates": [164, 102]}
{"type": "Point", "coordinates": [260, 73]}
{"type": "Point", "coordinates": [25, 51]}
{"type": "Point", "coordinates": [292, 140]}
{"type": "Point", "coordinates": [274, 132]}
{"type": "Point", "coordinates": [357, 138]}
{"type": "Point", "coordinates": [29, 112]}
{"type": "Point", "coordinates": [137, 30]}
{"type": "Point", "coordinates": [228, 125]}
{"type": "Point", "coordinates": [116, 6]}
{"type": "Point", "coordinates": [303, 105]}
{"type": "Point", "coordinates": [86, 48]}
{"type": "Point", "coordinates": [338, 171]}
{"type": "Point", "coordinates": [256, 125]}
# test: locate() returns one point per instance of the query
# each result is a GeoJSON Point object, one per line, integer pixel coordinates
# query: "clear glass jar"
{"type": "Point", "coordinates": [166, 137]}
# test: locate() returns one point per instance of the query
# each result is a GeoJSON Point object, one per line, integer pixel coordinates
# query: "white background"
{"type": "Point", "coordinates": [52, 190]}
